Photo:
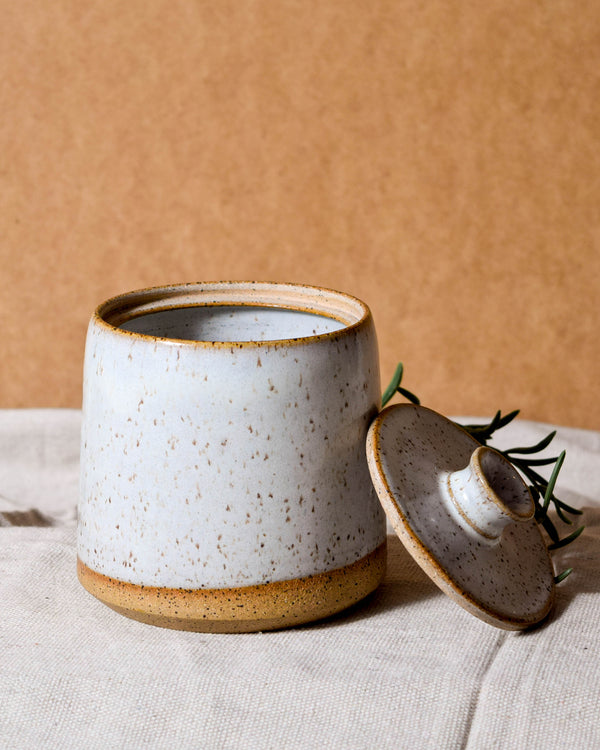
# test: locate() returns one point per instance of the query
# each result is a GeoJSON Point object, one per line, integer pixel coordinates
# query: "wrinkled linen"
{"type": "Point", "coordinates": [407, 668]}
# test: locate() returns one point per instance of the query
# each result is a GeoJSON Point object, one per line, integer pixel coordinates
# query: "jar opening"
{"type": "Point", "coordinates": [233, 312]}
{"type": "Point", "coordinates": [228, 323]}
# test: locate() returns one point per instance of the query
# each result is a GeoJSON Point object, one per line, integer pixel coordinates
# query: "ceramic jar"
{"type": "Point", "coordinates": [224, 481]}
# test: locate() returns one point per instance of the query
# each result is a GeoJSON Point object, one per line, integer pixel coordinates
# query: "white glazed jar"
{"type": "Point", "coordinates": [224, 481]}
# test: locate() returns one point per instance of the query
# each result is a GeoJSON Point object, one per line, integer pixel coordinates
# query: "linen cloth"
{"type": "Point", "coordinates": [407, 668]}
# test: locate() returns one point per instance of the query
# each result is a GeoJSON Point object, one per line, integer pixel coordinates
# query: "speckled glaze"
{"type": "Point", "coordinates": [223, 451]}
{"type": "Point", "coordinates": [464, 514]}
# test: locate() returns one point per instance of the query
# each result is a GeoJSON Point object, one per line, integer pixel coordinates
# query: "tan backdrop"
{"type": "Point", "coordinates": [440, 160]}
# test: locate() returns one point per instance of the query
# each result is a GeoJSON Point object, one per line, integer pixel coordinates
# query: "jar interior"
{"type": "Point", "coordinates": [231, 323]}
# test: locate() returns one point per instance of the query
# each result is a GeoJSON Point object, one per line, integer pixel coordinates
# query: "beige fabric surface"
{"type": "Point", "coordinates": [408, 668]}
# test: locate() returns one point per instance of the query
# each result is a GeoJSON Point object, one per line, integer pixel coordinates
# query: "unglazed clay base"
{"type": "Point", "coordinates": [269, 606]}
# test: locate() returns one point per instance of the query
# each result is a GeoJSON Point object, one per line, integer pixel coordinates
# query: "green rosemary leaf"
{"type": "Point", "coordinates": [532, 475]}
{"type": "Point", "coordinates": [567, 539]}
{"type": "Point", "coordinates": [408, 395]}
{"type": "Point", "coordinates": [476, 427]}
{"type": "Point", "coordinates": [561, 576]}
{"type": "Point", "coordinates": [535, 448]}
{"type": "Point", "coordinates": [560, 513]}
{"type": "Point", "coordinates": [565, 507]}
{"type": "Point", "coordinates": [534, 461]}
{"type": "Point", "coordinates": [484, 432]}
{"type": "Point", "coordinates": [393, 386]}
{"type": "Point", "coordinates": [507, 418]}
{"type": "Point", "coordinates": [481, 437]}
{"type": "Point", "coordinates": [495, 423]}
{"type": "Point", "coordinates": [553, 478]}
{"type": "Point", "coordinates": [542, 518]}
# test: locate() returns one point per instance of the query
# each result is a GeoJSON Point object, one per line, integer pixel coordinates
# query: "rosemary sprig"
{"type": "Point", "coordinates": [542, 490]}
{"type": "Point", "coordinates": [395, 386]}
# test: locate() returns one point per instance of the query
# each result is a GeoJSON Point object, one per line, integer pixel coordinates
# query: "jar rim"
{"type": "Point", "coordinates": [344, 308]}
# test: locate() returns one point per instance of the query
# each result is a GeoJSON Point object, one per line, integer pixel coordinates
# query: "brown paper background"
{"type": "Point", "coordinates": [438, 159]}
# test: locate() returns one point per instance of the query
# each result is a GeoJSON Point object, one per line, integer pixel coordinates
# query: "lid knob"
{"type": "Point", "coordinates": [489, 493]}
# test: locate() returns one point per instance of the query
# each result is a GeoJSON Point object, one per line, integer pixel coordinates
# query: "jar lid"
{"type": "Point", "coordinates": [464, 514]}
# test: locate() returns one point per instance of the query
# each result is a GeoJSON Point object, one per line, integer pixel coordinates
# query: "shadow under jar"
{"type": "Point", "coordinates": [224, 481]}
